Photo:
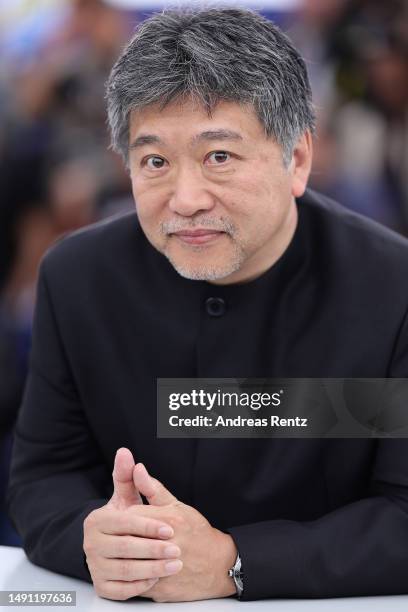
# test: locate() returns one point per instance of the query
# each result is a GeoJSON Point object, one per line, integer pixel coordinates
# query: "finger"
{"type": "Point", "coordinates": [125, 493]}
{"type": "Point", "coordinates": [155, 493]}
{"type": "Point", "coordinates": [135, 569]}
{"type": "Point", "coordinates": [126, 523]}
{"type": "Point", "coordinates": [132, 547]}
{"type": "Point", "coordinates": [124, 590]}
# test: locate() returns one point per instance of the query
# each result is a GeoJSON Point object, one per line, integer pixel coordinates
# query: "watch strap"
{"type": "Point", "coordinates": [236, 574]}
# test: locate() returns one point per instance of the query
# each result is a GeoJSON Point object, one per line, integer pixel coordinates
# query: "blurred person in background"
{"type": "Point", "coordinates": [56, 173]}
{"type": "Point", "coordinates": [53, 94]}
{"type": "Point", "coordinates": [374, 166]}
{"type": "Point", "coordinates": [36, 208]}
{"type": "Point", "coordinates": [314, 30]}
{"type": "Point", "coordinates": [357, 57]}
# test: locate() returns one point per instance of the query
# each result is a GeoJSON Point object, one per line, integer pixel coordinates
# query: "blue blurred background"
{"type": "Point", "coordinates": [57, 173]}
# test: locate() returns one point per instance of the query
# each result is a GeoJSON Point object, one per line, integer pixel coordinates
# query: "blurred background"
{"type": "Point", "coordinates": [57, 173]}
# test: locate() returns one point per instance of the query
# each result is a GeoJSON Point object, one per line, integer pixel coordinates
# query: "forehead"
{"type": "Point", "coordinates": [186, 120]}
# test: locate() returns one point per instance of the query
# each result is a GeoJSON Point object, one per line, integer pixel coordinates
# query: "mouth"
{"type": "Point", "coordinates": [199, 236]}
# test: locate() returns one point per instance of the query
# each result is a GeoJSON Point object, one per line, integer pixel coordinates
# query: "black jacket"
{"type": "Point", "coordinates": [311, 518]}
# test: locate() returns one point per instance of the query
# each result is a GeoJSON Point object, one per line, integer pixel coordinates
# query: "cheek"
{"type": "Point", "coordinates": [257, 206]}
{"type": "Point", "coordinates": [269, 194]}
{"type": "Point", "coordinates": [150, 200]}
{"type": "Point", "coordinates": [239, 195]}
{"type": "Point", "coordinates": [247, 198]}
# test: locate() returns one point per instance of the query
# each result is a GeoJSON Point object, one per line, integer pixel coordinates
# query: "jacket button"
{"type": "Point", "coordinates": [215, 306]}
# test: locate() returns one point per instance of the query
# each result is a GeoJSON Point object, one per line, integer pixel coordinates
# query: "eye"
{"type": "Point", "coordinates": [218, 157]}
{"type": "Point", "coordinates": [154, 162]}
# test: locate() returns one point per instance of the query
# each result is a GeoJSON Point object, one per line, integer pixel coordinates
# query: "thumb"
{"type": "Point", "coordinates": [155, 493]}
{"type": "Point", "coordinates": [124, 492]}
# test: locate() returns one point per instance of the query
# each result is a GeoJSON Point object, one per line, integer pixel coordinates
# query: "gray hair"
{"type": "Point", "coordinates": [212, 55]}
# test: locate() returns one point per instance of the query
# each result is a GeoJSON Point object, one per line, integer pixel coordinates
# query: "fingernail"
{"type": "Point", "coordinates": [166, 532]}
{"type": "Point", "coordinates": [172, 567]}
{"type": "Point", "coordinates": [172, 551]}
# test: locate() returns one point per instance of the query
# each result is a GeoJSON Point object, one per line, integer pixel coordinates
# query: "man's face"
{"type": "Point", "coordinates": [212, 193]}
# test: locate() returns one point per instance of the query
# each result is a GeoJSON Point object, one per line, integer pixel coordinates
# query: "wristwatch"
{"type": "Point", "coordinates": [236, 574]}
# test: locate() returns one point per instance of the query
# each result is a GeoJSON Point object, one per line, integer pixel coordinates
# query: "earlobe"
{"type": "Point", "coordinates": [301, 164]}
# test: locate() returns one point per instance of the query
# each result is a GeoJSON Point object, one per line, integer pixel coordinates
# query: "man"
{"type": "Point", "coordinates": [229, 270]}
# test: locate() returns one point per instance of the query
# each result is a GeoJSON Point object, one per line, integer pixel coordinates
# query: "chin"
{"type": "Point", "coordinates": [209, 269]}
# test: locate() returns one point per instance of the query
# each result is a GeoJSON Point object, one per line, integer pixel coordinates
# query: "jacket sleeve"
{"type": "Point", "coordinates": [358, 549]}
{"type": "Point", "coordinates": [57, 471]}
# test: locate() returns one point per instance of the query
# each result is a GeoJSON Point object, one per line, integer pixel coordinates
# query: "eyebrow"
{"type": "Point", "coordinates": [207, 136]}
{"type": "Point", "coordinates": [221, 134]}
{"type": "Point", "coordinates": [145, 139]}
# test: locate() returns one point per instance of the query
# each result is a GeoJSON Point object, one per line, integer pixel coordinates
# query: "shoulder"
{"type": "Point", "coordinates": [112, 239]}
{"type": "Point", "coordinates": [350, 238]}
{"type": "Point", "coordinates": [360, 262]}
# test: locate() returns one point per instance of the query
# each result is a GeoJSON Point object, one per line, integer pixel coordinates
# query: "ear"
{"type": "Point", "coordinates": [301, 164]}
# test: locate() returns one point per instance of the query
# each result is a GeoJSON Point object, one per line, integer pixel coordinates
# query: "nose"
{"type": "Point", "coordinates": [190, 193]}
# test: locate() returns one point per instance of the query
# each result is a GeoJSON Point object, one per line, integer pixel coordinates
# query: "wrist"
{"type": "Point", "coordinates": [226, 554]}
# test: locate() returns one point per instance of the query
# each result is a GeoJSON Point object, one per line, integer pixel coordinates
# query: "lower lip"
{"type": "Point", "coordinates": [203, 239]}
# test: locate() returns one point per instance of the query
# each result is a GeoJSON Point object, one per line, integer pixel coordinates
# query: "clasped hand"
{"type": "Point", "coordinates": [164, 550]}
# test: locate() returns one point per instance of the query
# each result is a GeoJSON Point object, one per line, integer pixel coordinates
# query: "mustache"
{"type": "Point", "coordinates": [179, 225]}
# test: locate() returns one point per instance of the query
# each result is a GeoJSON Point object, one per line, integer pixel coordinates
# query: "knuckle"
{"type": "Point", "coordinates": [122, 593]}
{"type": "Point", "coordinates": [162, 595]}
{"type": "Point", "coordinates": [157, 550]}
{"type": "Point", "coordinates": [97, 573]}
{"type": "Point", "coordinates": [98, 591]}
{"type": "Point", "coordinates": [123, 522]}
{"type": "Point", "coordinates": [157, 569]}
{"type": "Point", "coordinates": [114, 593]}
{"type": "Point", "coordinates": [91, 571]}
{"type": "Point", "coordinates": [102, 590]}
{"type": "Point", "coordinates": [146, 528]}
{"type": "Point", "coordinates": [176, 520]}
{"type": "Point", "coordinates": [89, 521]}
{"type": "Point", "coordinates": [163, 592]}
{"type": "Point", "coordinates": [150, 528]}
{"type": "Point", "coordinates": [141, 587]}
{"type": "Point", "coordinates": [124, 570]}
{"type": "Point", "coordinates": [112, 590]}
{"type": "Point", "coordinates": [123, 547]}
{"type": "Point", "coordinates": [88, 546]}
